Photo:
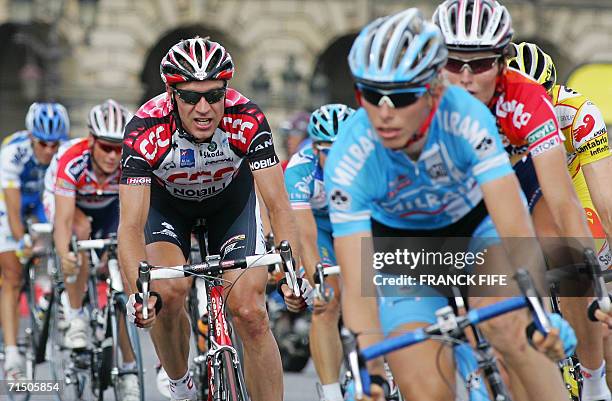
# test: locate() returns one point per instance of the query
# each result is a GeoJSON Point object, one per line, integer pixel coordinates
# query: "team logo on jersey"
{"type": "Point", "coordinates": [542, 131]}
{"type": "Point", "coordinates": [187, 158]}
{"type": "Point", "coordinates": [485, 146]}
{"type": "Point", "coordinates": [520, 117]}
{"type": "Point", "coordinates": [212, 146]}
{"type": "Point", "coordinates": [585, 129]}
{"type": "Point", "coordinates": [340, 199]}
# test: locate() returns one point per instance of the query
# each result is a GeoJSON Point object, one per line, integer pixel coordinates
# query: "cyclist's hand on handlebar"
{"type": "Point", "coordinates": [559, 343]}
{"type": "Point", "coordinates": [134, 311]}
{"type": "Point", "coordinates": [377, 394]}
{"type": "Point", "coordinates": [297, 304]}
{"type": "Point", "coordinates": [69, 264]}
{"type": "Point", "coordinates": [604, 318]}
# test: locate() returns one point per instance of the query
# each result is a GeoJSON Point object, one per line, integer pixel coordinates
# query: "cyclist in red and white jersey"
{"type": "Point", "coordinates": [193, 152]}
{"type": "Point", "coordinates": [82, 197]}
{"type": "Point", "coordinates": [478, 34]}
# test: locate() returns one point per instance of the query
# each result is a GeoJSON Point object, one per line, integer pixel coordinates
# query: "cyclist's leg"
{"type": "Point", "coordinates": [422, 371]}
{"type": "Point", "coordinates": [167, 235]}
{"type": "Point", "coordinates": [235, 233]}
{"type": "Point", "coordinates": [9, 296]}
{"type": "Point", "coordinates": [539, 376]}
{"type": "Point", "coordinates": [104, 222]}
{"type": "Point", "coordinates": [325, 344]}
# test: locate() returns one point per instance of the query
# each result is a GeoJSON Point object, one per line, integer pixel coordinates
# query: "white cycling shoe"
{"type": "Point", "coordinates": [129, 390]}
{"type": "Point", "coordinates": [76, 335]}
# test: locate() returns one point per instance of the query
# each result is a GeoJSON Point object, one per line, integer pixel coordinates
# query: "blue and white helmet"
{"type": "Point", "coordinates": [398, 50]}
{"type": "Point", "coordinates": [325, 122]}
{"type": "Point", "coordinates": [48, 121]}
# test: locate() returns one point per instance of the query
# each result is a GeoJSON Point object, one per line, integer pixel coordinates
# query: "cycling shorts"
{"type": "Point", "coordinates": [232, 220]}
{"type": "Point", "coordinates": [29, 209]}
{"type": "Point", "coordinates": [402, 305]}
{"type": "Point", "coordinates": [526, 174]}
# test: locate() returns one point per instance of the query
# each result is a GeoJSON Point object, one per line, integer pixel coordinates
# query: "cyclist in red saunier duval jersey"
{"type": "Point", "coordinates": [194, 152]}
{"type": "Point", "coordinates": [477, 34]}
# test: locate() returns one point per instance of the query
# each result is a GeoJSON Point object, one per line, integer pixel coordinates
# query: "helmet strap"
{"type": "Point", "coordinates": [425, 126]}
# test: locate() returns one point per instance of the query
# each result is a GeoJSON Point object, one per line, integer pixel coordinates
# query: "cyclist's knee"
{"type": "Point", "coordinates": [251, 320]}
{"type": "Point", "coordinates": [506, 333]}
{"type": "Point", "coordinates": [329, 315]}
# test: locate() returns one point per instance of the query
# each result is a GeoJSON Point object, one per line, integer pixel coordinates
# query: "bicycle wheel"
{"type": "Point", "coordinates": [119, 315]}
{"type": "Point", "coordinates": [226, 382]}
{"type": "Point", "coordinates": [32, 331]}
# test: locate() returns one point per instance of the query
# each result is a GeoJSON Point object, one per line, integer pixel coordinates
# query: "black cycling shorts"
{"type": "Point", "coordinates": [104, 221]}
{"type": "Point", "coordinates": [525, 172]}
{"type": "Point", "coordinates": [232, 220]}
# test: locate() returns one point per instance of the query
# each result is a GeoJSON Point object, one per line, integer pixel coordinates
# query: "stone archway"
{"type": "Point", "coordinates": [333, 65]}
{"type": "Point", "coordinates": [151, 81]}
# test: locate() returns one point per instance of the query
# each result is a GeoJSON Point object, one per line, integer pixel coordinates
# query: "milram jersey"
{"type": "Point", "coordinates": [525, 116]}
{"type": "Point", "coordinates": [75, 178]}
{"type": "Point", "coordinates": [20, 169]}
{"type": "Point", "coordinates": [304, 183]}
{"type": "Point", "coordinates": [365, 180]}
{"type": "Point", "coordinates": [156, 151]}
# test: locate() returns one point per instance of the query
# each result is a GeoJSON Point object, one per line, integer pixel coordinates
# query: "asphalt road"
{"type": "Point", "coordinates": [298, 386]}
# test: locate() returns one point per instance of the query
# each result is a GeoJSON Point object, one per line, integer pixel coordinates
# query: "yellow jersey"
{"type": "Point", "coordinates": [586, 141]}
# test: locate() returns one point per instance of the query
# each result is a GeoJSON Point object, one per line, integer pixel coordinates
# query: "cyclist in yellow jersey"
{"type": "Point", "coordinates": [588, 162]}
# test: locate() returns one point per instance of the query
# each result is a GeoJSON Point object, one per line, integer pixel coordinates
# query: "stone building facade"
{"type": "Point", "coordinates": [87, 50]}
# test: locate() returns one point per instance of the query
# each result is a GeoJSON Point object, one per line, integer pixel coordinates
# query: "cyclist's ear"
{"type": "Point", "coordinates": [358, 96]}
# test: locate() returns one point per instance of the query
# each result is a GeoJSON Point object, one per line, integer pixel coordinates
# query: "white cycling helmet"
{"type": "Point", "coordinates": [402, 49]}
{"type": "Point", "coordinates": [107, 120]}
{"type": "Point", "coordinates": [474, 25]}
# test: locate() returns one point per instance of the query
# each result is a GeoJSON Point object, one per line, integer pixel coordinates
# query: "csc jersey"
{"type": "Point", "coordinates": [304, 183]}
{"type": "Point", "coordinates": [364, 180]}
{"type": "Point", "coordinates": [586, 141]}
{"type": "Point", "coordinates": [20, 169]}
{"type": "Point", "coordinates": [525, 116]}
{"type": "Point", "coordinates": [157, 151]}
{"type": "Point", "coordinates": [75, 178]}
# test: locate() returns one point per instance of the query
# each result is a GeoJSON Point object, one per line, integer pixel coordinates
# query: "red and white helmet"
{"type": "Point", "coordinates": [197, 59]}
{"type": "Point", "coordinates": [474, 25]}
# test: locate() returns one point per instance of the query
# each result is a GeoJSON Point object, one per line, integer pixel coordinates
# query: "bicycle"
{"type": "Point", "coordinates": [322, 293]}
{"type": "Point", "coordinates": [450, 329]}
{"type": "Point", "coordinates": [34, 341]}
{"type": "Point", "coordinates": [97, 367]}
{"type": "Point", "coordinates": [225, 379]}
{"type": "Point", "coordinates": [570, 366]}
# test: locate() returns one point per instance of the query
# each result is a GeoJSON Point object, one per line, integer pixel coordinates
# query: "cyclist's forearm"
{"type": "Point", "coordinates": [284, 227]}
{"type": "Point", "coordinates": [13, 211]}
{"type": "Point", "coordinates": [307, 227]}
{"type": "Point", "coordinates": [62, 233]}
{"type": "Point", "coordinates": [131, 252]}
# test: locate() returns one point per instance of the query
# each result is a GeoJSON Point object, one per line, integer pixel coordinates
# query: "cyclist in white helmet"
{"type": "Point", "coordinates": [478, 34]}
{"type": "Point", "coordinates": [82, 198]}
{"type": "Point", "coordinates": [423, 159]}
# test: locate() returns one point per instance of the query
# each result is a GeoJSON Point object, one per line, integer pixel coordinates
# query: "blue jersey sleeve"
{"type": "Point", "coordinates": [298, 181]}
{"type": "Point", "coordinates": [478, 142]}
{"type": "Point", "coordinates": [351, 187]}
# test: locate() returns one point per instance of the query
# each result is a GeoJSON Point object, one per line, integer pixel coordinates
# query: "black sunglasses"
{"type": "Point", "coordinates": [395, 98]}
{"type": "Point", "coordinates": [475, 66]}
{"type": "Point", "coordinates": [193, 97]}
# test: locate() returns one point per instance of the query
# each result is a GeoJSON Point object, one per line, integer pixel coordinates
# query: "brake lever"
{"type": "Point", "coordinates": [144, 277]}
{"type": "Point", "coordinates": [320, 286]}
{"type": "Point", "coordinates": [599, 284]}
{"type": "Point", "coordinates": [540, 318]}
{"type": "Point", "coordinates": [285, 252]}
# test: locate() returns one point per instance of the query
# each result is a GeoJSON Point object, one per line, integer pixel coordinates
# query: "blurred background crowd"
{"type": "Point", "coordinates": [290, 55]}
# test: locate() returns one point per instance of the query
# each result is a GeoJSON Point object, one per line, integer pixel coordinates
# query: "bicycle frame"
{"type": "Point", "coordinates": [452, 328]}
